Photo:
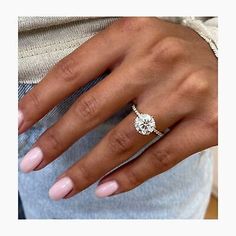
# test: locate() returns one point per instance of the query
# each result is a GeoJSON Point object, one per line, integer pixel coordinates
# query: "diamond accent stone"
{"type": "Point", "coordinates": [144, 124]}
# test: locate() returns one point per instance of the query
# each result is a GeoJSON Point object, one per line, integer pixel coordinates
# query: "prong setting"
{"type": "Point", "coordinates": [144, 123]}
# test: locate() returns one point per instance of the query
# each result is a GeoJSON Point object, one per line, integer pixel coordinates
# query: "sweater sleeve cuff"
{"type": "Point", "coordinates": [208, 30]}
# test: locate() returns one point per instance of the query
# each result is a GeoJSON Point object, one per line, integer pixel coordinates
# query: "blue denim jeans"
{"type": "Point", "coordinates": [180, 193]}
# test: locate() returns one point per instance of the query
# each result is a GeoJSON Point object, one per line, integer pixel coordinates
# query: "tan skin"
{"type": "Point", "coordinates": [166, 69]}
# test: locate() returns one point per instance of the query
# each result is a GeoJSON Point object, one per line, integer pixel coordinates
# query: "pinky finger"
{"type": "Point", "coordinates": [185, 139]}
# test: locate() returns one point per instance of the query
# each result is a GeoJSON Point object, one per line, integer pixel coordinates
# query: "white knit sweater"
{"type": "Point", "coordinates": [43, 41]}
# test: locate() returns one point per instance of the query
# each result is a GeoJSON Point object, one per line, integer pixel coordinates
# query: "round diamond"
{"type": "Point", "coordinates": [144, 124]}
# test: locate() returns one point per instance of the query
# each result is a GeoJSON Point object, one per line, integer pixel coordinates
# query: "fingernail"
{"type": "Point", "coordinates": [20, 118]}
{"type": "Point", "coordinates": [31, 160]}
{"type": "Point", "coordinates": [61, 188]}
{"type": "Point", "coordinates": [106, 189]}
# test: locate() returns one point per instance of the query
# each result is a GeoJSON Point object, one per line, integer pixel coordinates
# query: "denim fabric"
{"type": "Point", "coordinates": [180, 193]}
{"type": "Point", "coordinates": [21, 214]}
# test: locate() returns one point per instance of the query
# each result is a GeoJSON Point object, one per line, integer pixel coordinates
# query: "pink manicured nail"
{"type": "Point", "coordinates": [31, 160]}
{"type": "Point", "coordinates": [61, 188]}
{"type": "Point", "coordinates": [20, 118]}
{"type": "Point", "coordinates": [106, 189]}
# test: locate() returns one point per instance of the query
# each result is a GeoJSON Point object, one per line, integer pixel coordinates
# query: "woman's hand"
{"type": "Point", "coordinates": [166, 69]}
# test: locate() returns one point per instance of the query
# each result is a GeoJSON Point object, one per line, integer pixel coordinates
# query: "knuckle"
{"type": "Point", "coordinates": [143, 21]}
{"type": "Point", "coordinates": [34, 99]}
{"type": "Point", "coordinates": [170, 48]}
{"type": "Point", "coordinates": [66, 68]}
{"type": "Point", "coordinates": [120, 141]}
{"type": "Point", "coordinates": [214, 121]}
{"type": "Point", "coordinates": [213, 124]}
{"type": "Point", "coordinates": [87, 107]}
{"type": "Point", "coordinates": [211, 121]}
{"type": "Point", "coordinates": [135, 24]}
{"type": "Point", "coordinates": [161, 159]}
{"type": "Point", "coordinates": [84, 174]}
{"type": "Point", "coordinates": [52, 140]}
{"type": "Point", "coordinates": [132, 178]}
{"type": "Point", "coordinates": [196, 83]}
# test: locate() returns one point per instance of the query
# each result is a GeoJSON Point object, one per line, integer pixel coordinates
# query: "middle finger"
{"type": "Point", "coordinates": [91, 109]}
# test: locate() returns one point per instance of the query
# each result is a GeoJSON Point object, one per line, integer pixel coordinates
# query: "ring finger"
{"type": "Point", "coordinates": [122, 142]}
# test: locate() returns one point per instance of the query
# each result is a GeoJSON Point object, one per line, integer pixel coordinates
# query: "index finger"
{"type": "Point", "coordinates": [83, 65]}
